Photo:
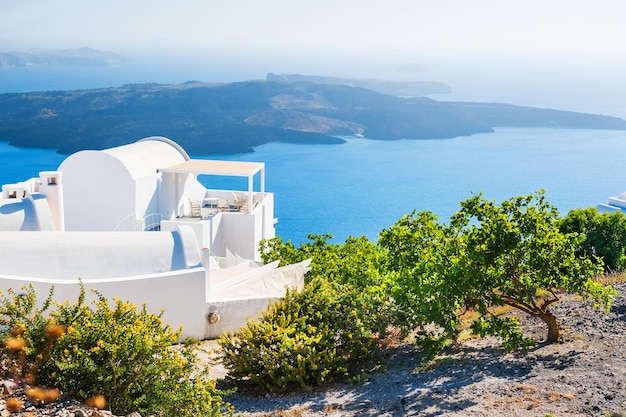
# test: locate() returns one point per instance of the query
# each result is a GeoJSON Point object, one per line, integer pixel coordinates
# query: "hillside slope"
{"type": "Point", "coordinates": [582, 375]}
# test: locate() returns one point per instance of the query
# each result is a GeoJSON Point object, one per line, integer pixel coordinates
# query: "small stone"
{"type": "Point", "coordinates": [80, 413]}
{"type": "Point", "coordinates": [9, 387]}
{"type": "Point", "coordinates": [134, 414]}
{"type": "Point", "coordinates": [364, 405]}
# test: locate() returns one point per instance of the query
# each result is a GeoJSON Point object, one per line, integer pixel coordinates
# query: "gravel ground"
{"type": "Point", "coordinates": [582, 375]}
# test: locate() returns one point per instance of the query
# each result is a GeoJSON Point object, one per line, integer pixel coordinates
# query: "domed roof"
{"type": "Point", "coordinates": [141, 159]}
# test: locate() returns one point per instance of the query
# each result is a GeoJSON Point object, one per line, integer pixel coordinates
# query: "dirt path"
{"type": "Point", "coordinates": [583, 375]}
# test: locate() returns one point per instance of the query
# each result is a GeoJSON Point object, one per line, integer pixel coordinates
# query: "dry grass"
{"type": "Point", "coordinates": [393, 338]}
{"type": "Point", "coordinates": [443, 360]}
{"type": "Point", "coordinates": [553, 396]}
{"type": "Point", "coordinates": [14, 405]}
{"type": "Point", "coordinates": [332, 408]}
{"type": "Point", "coordinates": [466, 335]}
{"type": "Point", "coordinates": [526, 389]}
{"type": "Point", "coordinates": [292, 412]}
{"type": "Point", "coordinates": [612, 278]}
{"type": "Point", "coordinates": [501, 310]}
{"type": "Point", "coordinates": [468, 317]}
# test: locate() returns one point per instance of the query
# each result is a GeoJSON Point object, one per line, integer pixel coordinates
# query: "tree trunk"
{"type": "Point", "coordinates": [553, 326]}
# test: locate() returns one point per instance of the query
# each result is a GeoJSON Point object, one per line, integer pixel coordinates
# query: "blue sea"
{"type": "Point", "coordinates": [364, 186]}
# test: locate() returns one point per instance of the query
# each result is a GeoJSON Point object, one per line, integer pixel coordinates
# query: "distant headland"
{"type": "Point", "coordinates": [235, 117]}
{"type": "Point", "coordinates": [394, 88]}
{"type": "Point", "coordinates": [66, 57]}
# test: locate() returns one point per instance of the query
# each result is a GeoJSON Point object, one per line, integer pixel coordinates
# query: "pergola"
{"type": "Point", "coordinates": [223, 168]}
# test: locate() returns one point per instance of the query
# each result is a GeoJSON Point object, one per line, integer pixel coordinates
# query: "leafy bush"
{"type": "Point", "coordinates": [421, 256]}
{"type": "Point", "coordinates": [27, 335]}
{"type": "Point", "coordinates": [604, 235]}
{"type": "Point", "coordinates": [353, 262]}
{"type": "Point", "coordinates": [318, 335]}
{"type": "Point", "coordinates": [355, 265]}
{"type": "Point", "coordinates": [116, 351]}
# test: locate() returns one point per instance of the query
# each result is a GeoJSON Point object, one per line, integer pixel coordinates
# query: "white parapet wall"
{"type": "Point", "coordinates": [179, 295]}
{"type": "Point", "coordinates": [231, 315]}
{"type": "Point", "coordinates": [96, 255]}
{"type": "Point", "coordinates": [245, 295]}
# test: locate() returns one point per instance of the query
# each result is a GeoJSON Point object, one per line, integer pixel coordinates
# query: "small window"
{"type": "Point", "coordinates": [52, 180]}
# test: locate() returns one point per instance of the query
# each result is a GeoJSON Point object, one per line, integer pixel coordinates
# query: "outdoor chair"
{"type": "Point", "coordinates": [194, 208]}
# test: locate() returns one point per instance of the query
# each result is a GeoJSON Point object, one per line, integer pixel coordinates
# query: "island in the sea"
{"type": "Point", "coordinates": [85, 57]}
{"type": "Point", "coordinates": [235, 117]}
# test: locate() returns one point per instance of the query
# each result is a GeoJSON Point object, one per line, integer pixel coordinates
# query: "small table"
{"type": "Point", "coordinates": [209, 206]}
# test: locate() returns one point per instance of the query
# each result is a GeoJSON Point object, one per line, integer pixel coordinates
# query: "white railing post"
{"type": "Point", "coordinates": [206, 263]}
{"type": "Point", "coordinates": [250, 192]}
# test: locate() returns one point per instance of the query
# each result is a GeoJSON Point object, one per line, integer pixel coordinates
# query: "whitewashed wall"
{"type": "Point", "coordinates": [179, 293]}
{"type": "Point", "coordinates": [97, 191]}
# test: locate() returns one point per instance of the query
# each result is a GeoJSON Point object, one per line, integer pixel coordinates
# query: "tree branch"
{"type": "Point", "coordinates": [528, 309]}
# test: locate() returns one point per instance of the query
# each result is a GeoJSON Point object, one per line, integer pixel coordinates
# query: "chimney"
{"type": "Point", "coordinates": [52, 187]}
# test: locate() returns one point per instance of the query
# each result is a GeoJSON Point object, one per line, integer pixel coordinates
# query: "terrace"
{"type": "Point", "coordinates": [214, 201]}
{"type": "Point", "coordinates": [221, 219]}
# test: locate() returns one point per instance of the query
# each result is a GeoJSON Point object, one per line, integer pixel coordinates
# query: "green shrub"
{"type": "Point", "coordinates": [25, 332]}
{"type": "Point", "coordinates": [604, 235]}
{"type": "Point", "coordinates": [422, 255]}
{"type": "Point", "coordinates": [355, 264]}
{"type": "Point", "coordinates": [117, 351]}
{"type": "Point", "coordinates": [321, 334]}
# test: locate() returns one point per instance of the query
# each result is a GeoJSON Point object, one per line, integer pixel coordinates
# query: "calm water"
{"type": "Point", "coordinates": [18, 164]}
{"type": "Point", "coordinates": [364, 186]}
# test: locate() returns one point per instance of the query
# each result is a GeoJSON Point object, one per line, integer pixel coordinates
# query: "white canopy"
{"type": "Point", "coordinates": [224, 168]}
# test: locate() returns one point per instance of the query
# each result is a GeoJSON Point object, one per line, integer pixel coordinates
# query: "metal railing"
{"type": "Point", "coordinates": [148, 223]}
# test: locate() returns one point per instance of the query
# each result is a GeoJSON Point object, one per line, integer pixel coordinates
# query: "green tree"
{"type": "Point", "coordinates": [604, 235]}
{"type": "Point", "coordinates": [488, 255]}
{"type": "Point", "coordinates": [516, 255]}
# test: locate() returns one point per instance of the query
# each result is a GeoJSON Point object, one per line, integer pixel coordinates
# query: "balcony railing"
{"type": "Point", "coordinates": [148, 223]}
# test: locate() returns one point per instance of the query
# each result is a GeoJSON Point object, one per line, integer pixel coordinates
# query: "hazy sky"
{"type": "Point", "coordinates": [564, 41]}
{"type": "Point", "coordinates": [551, 26]}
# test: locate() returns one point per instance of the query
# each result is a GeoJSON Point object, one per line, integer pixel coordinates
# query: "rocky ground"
{"type": "Point", "coordinates": [582, 375]}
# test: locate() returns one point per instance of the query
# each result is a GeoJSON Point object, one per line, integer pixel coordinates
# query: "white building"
{"type": "Point", "coordinates": [133, 222]}
{"type": "Point", "coordinates": [613, 204]}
